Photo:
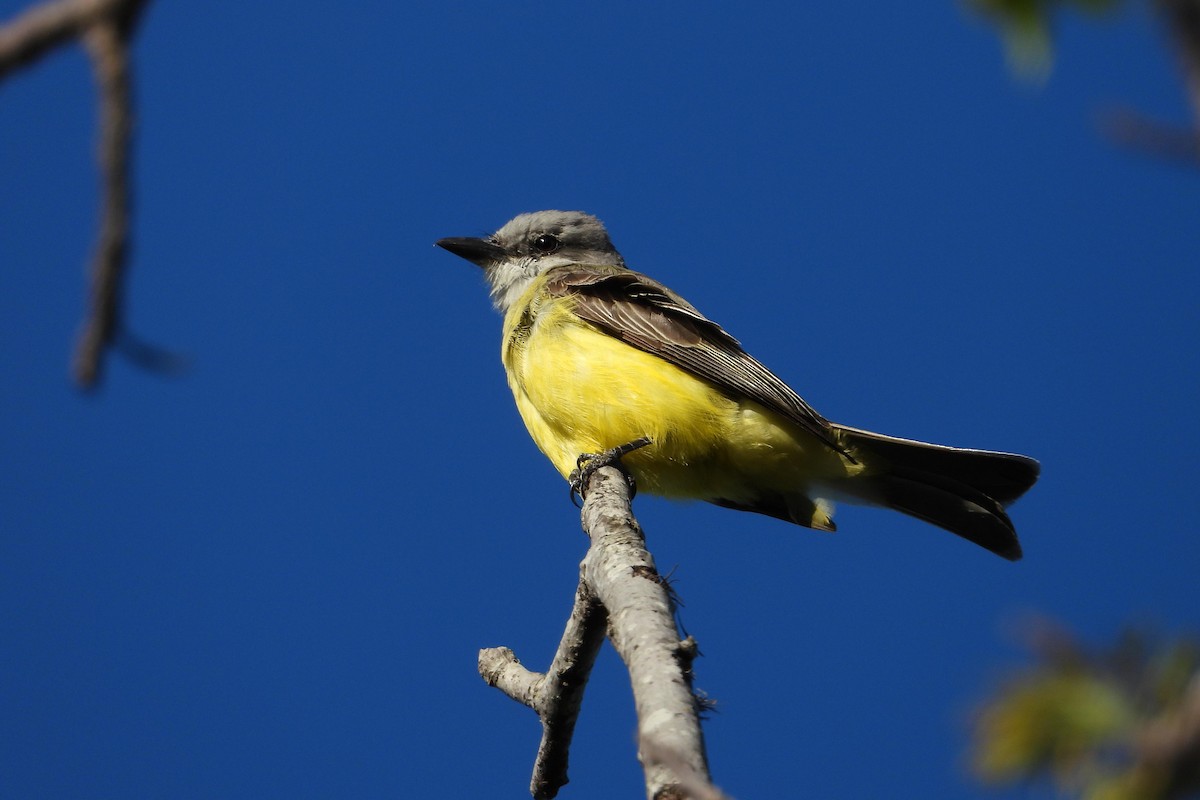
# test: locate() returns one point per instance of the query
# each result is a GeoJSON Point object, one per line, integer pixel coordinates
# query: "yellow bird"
{"type": "Point", "coordinates": [599, 356]}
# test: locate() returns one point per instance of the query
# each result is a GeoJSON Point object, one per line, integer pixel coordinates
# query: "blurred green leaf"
{"type": "Point", "coordinates": [1026, 29]}
{"type": "Point", "coordinates": [1048, 722]}
{"type": "Point", "coordinates": [1116, 724]}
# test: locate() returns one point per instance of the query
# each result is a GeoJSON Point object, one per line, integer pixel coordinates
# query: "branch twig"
{"type": "Point", "coordinates": [556, 695]}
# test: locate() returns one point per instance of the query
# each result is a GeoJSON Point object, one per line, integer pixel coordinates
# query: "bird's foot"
{"type": "Point", "coordinates": [588, 463]}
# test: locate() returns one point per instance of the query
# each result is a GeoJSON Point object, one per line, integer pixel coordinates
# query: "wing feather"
{"type": "Point", "coordinates": [647, 315]}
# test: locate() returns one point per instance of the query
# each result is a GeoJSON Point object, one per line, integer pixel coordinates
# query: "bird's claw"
{"type": "Point", "coordinates": [588, 463]}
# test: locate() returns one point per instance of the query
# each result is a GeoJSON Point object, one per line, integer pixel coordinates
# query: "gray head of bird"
{"type": "Point", "coordinates": [530, 244]}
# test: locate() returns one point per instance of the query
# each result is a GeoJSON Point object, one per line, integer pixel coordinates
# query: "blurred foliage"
{"type": "Point", "coordinates": [1115, 724]}
{"type": "Point", "coordinates": [1026, 27]}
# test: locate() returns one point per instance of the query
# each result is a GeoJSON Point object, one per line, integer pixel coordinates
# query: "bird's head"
{"type": "Point", "coordinates": [530, 244]}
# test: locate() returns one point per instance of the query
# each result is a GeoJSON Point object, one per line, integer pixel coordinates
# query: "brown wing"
{"type": "Point", "coordinates": [647, 315]}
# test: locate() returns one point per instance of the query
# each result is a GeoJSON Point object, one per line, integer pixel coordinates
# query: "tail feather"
{"type": "Point", "coordinates": [963, 491]}
{"type": "Point", "coordinates": [961, 510]}
{"type": "Point", "coordinates": [1002, 476]}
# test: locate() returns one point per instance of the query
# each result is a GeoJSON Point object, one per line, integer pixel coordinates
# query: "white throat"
{"type": "Point", "coordinates": [509, 280]}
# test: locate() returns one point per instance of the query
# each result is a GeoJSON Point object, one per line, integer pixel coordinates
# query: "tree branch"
{"type": "Point", "coordinates": [618, 585]}
{"type": "Point", "coordinates": [105, 27]}
{"type": "Point", "coordinates": [556, 695]}
{"type": "Point", "coordinates": [43, 27]}
{"type": "Point", "coordinates": [107, 47]}
{"type": "Point", "coordinates": [642, 629]}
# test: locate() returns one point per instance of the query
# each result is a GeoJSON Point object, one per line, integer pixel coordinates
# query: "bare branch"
{"type": "Point", "coordinates": [619, 585]}
{"type": "Point", "coordinates": [110, 61]}
{"type": "Point", "coordinates": [105, 26]}
{"type": "Point", "coordinates": [562, 692]}
{"type": "Point", "coordinates": [499, 667]}
{"type": "Point", "coordinates": [43, 27]}
{"type": "Point", "coordinates": [556, 695]}
{"type": "Point", "coordinates": [642, 629]}
{"type": "Point", "coordinates": [689, 783]}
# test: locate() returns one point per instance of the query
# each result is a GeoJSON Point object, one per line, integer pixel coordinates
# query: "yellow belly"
{"type": "Point", "coordinates": [582, 391]}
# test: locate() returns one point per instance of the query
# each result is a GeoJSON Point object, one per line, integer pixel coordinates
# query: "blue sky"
{"type": "Point", "coordinates": [270, 577]}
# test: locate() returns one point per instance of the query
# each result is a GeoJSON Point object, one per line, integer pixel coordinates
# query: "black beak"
{"type": "Point", "coordinates": [477, 251]}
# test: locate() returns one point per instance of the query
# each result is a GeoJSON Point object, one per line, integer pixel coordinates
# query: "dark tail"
{"type": "Point", "coordinates": [963, 491]}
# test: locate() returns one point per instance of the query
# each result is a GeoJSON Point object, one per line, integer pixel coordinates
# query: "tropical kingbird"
{"type": "Point", "coordinates": [599, 356]}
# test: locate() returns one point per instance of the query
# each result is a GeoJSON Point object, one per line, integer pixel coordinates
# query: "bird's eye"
{"type": "Point", "coordinates": [546, 243]}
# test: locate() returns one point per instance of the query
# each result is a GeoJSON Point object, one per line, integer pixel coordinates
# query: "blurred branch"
{"type": "Point", "coordinates": [1183, 22]}
{"type": "Point", "coordinates": [619, 585]}
{"type": "Point", "coordinates": [1131, 129]}
{"type": "Point", "coordinates": [43, 27]}
{"type": "Point", "coordinates": [1168, 748]}
{"type": "Point", "coordinates": [1026, 27]}
{"type": "Point", "coordinates": [106, 44]}
{"type": "Point", "coordinates": [105, 27]}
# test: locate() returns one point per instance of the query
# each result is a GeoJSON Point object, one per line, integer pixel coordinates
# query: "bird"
{"type": "Point", "coordinates": [605, 360]}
